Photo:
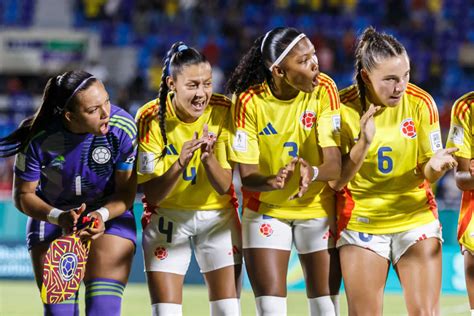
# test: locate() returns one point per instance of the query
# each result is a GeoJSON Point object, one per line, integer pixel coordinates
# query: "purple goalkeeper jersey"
{"type": "Point", "coordinates": [78, 168]}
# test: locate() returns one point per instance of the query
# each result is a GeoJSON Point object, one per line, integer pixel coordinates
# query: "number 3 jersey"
{"type": "Point", "coordinates": [193, 191]}
{"type": "Point", "coordinates": [78, 168]}
{"type": "Point", "coordinates": [269, 132]}
{"type": "Point", "coordinates": [389, 193]}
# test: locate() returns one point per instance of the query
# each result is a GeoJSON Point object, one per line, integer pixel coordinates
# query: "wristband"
{"type": "Point", "coordinates": [315, 173]}
{"type": "Point", "coordinates": [53, 216]}
{"type": "Point", "coordinates": [104, 212]}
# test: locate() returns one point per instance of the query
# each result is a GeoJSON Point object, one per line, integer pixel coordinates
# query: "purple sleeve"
{"type": "Point", "coordinates": [28, 164]}
{"type": "Point", "coordinates": [126, 130]}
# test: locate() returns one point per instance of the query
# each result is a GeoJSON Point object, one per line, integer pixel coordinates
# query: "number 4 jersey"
{"type": "Point", "coordinates": [389, 193]}
{"type": "Point", "coordinates": [269, 132]}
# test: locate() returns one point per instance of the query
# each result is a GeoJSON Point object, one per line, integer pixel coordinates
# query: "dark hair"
{"type": "Point", "coordinates": [58, 97]}
{"type": "Point", "coordinates": [254, 66]}
{"type": "Point", "coordinates": [371, 49]}
{"type": "Point", "coordinates": [178, 56]}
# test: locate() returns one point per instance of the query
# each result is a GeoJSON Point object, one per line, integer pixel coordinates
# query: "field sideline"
{"type": "Point", "coordinates": [20, 298]}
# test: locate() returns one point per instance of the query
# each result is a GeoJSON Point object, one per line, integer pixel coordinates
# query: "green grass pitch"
{"type": "Point", "coordinates": [18, 298]}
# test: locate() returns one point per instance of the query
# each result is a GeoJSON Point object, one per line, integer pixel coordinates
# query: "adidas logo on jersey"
{"type": "Point", "coordinates": [171, 150]}
{"type": "Point", "coordinates": [268, 130]}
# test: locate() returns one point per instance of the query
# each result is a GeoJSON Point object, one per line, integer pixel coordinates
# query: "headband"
{"type": "Point", "coordinates": [286, 51]}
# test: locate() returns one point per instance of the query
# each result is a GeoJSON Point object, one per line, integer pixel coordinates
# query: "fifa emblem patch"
{"type": "Point", "coordinates": [266, 230]}
{"type": "Point", "coordinates": [308, 119]}
{"type": "Point", "coordinates": [161, 253]}
{"type": "Point", "coordinates": [407, 128]}
{"type": "Point", "coordinates": [101, 155]}
{"type": "Point", "coordinates": [68, 266]}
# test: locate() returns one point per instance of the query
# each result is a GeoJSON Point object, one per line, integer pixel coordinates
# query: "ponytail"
{"type": "Point", "coordinates": [58, 97]}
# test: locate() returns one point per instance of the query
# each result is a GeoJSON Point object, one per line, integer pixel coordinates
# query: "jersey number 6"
{"type": "Point", "coordinates": [385, 163]}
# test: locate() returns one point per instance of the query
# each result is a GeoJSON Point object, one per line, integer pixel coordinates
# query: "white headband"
{"type": "Point", "coordinates": [286, 51]}
{"type": "Point", "coordinates": [263, 41]}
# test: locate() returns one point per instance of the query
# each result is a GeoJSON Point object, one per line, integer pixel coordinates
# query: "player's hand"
{"type": "Point", "coordinates": [367, 124]}
{"type": "Point", "coordinates": [306, 174]}
{"type": "Point", "coordinates": [188, 149]}
{"type": "Point", "coordinates": [443, 160]}
{"type": "Point", "coordinates": [95, 230]}
{"type": "Point", "coordinates": [284, 175]}
{"type": "Point", "coordinates": [209, 141]}
{"type": "Point", "coordinates": [69, 219]}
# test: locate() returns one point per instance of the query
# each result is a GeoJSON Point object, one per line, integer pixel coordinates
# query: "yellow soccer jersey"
{"type": "Point", "coordinates": [460, 136]}
{"type": "Point", "coordinates": [193, 191]}
{"type": "Point", "coordinates": [270, 132]}
{"type": "Point", "coordinates": [389, 193]}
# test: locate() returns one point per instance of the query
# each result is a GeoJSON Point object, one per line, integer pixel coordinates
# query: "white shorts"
{"type": "Point", "coordinates": [168, 238]}
{"type": "Point", "coordinates": [310, 235]}
{"type": "Point", "coordinates": [391, 246]}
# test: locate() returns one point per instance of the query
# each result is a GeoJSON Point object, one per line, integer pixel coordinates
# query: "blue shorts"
{"type": "Point", "coordinates": [39, 231]}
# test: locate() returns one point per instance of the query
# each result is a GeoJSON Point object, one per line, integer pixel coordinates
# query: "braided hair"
{"type": "Point", "coordinates": [177, 57]}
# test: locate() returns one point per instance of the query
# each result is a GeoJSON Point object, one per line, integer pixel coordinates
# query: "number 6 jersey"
{"type": "Point", "coordinates": [389, 193]}
{"type": "Point", "coordinates": [270, 132]}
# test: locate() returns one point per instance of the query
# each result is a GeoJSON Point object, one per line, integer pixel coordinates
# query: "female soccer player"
{"type": "Point", "coordinates": [286, 121]}
{"type": "Point", "coordinates": [387, 211]}
{"type": "Point", "coordinates": [74, 157]}
{"type": "Point", "coordinates": [460, 136]}
{"type": "Point", "coordinates": [187, 181]}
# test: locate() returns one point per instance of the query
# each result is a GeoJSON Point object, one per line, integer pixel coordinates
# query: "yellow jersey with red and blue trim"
{"type": "Point", "coordinates": [193, 191]}
{"type": "Point", "coordinates": [461, 136]}
{"type": "Point", "coordinates": [269, 132]}
{"type": "Point", "coordinates": [389, 193]}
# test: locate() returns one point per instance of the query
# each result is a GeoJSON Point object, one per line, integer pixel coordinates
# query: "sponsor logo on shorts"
{"type": "Point", "coordinates": [161, 253]}
{"type": "Point", "coordinates": [266, 230]}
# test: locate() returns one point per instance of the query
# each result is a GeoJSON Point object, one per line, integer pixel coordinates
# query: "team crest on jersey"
{"type": "Point", "coordinates": [266, 230]}
{"type": "Point", "coordinates": [308, 119]}
{"type": "Point", "coordinates": [101, 155]}
{"type": "Point", "coordinates": [161, 253]}
{"type": "Point", "coordinates": [407, 127]}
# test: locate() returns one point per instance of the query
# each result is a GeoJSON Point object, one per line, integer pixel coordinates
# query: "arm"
{"type": "Point", "coordinates": [438, 164]}
{"type": "Point", "coordinates": [159, 187]}
{"type": "Point", "coordinates": [119, 202]}
{"type": "Point", "coordinates": [26, 200]}
{"type": "Point", "coordinates": [330, 169]}
{"type": "Point", "coordinates": [219, 177]}
{"type": "Point", "coordinates": [253, 180]}
{"type": "Point", "coordinates": [352, 161]}
{"type": "Point", "coordinates": [464, 174]}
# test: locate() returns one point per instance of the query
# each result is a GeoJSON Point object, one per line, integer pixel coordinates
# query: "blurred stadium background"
{"type": "Point", "coordinates": [123, 41]}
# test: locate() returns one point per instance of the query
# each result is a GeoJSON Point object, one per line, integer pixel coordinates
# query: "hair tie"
{"type": "Point", "coordinates": [182, 47]}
